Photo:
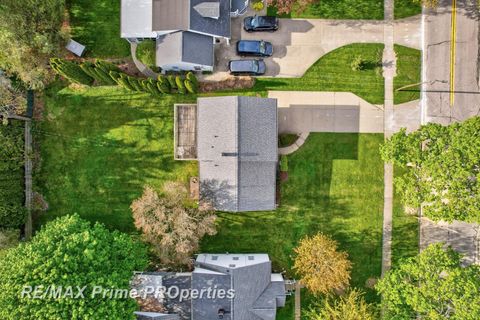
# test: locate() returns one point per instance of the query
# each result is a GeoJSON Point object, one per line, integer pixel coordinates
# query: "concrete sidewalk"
{"type": "Point", "coordinates": [305, 111]}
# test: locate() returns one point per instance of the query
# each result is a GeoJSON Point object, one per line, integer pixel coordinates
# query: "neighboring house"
{"type": "Point", "coordinates": [185, 30]}
{"type": "Point", "coordinates": [256, 293]}
{"type": "Point", "coordinates": [235, 140]}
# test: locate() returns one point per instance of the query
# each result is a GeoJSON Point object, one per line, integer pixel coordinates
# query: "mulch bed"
{"type": "Point", "coordinates": [233, 83]}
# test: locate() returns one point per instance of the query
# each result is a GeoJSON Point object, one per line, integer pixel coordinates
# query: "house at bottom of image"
{"type": "Point", "coordinates": [235, 141]}
{"type": "Point", "coordinates": [234, 286]}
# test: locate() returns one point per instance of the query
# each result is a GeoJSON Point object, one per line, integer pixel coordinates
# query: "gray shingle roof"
{"type": "Point", "coordinates": [170, 15]}
{"type": "Point", "coordinates": [185, 46]}
{"type": "Point", "coordinates": [237, 152]}
{"type": "Point", "coordinates": [217, 27]}
{"type": "Point", "coordinates": [198, 49]}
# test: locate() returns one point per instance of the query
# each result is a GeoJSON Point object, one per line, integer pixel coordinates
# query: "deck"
{"type": "Point", "coordinates": [185, 138]}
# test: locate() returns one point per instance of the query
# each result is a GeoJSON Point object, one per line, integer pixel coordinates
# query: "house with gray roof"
{"type": "Point", "coordinates": [235, 286]}
{"type": "Point", "coordinates": [185, 31]}
{"type": "Point", "coordinates": [235, 142]}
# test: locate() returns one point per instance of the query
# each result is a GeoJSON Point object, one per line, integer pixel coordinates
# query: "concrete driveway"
{"type": "Point", "coordinates": [299, 43]}
{"type": "Point", "coordinates": [304, 111]}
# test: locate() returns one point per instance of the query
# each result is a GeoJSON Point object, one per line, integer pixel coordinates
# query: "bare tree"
{"type": "Point", "coordinates": [173, 227]}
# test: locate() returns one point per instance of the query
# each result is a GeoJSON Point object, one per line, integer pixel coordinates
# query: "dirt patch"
{"type": "Point", "coordinates": [371, 283]}
{"type": "Point", "coordinates": [233, 83]}
{"type": "Point", "coordinates": [283, 176]}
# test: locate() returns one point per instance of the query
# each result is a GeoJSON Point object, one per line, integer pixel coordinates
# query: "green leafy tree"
{"type": "Point", "coordinates": [30, 33]}
{"type": "Point", "coordinates": [172, 81]}
{"type": "Point", "coordinates": [433, 285]}
{"type": "Point", "coordinates": [351, 306]}
{"type": "Point", "coordinates": [443, 173]}
{"type": "Point", "coordinates": [66, 252]}
{"type": "Point", "coordinates": [191, 88]}
{"type": "Point", "coordinates": [71, 71]}
{"type": "Point", "coordinates": [190, 76]}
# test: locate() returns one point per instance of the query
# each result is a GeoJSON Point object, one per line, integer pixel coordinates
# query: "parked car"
{"type": "Point", "coordinates": [247, 67]}
{"type": "Point", "coordinates": [260, 23]}
{"type": "Point", "coordinates": [254, 48]}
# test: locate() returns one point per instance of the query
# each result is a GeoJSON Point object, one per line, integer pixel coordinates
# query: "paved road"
{"type": "Point", "coordinates": [451, 64]}
{"type": "Point", "coordinates": [451, 49]}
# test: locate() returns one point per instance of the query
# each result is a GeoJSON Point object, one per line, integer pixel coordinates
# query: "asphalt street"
{"type": "Point", "coordinates": [451, 64]}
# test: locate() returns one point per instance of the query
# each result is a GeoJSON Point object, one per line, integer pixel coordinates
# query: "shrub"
{"type": "Point", "coordinates": [171, 81]}
{"type": "Point", "coordinates": [115, 76]}
{"type": "Point", "coordinates": [124, 82]}
{"type": "Point", "coordinates": [192, 78]}
{"type": "Point", "coordinates": [190, 86]}
{"type": "Point", "coordinates": [69, 251]}
{"type": "Point", "coordinates": [180, 85]}
{"type": "Point", "coordinates": [12, 210]}
{"type": "Point", "coordinates": [146, 53]}
{"type": "Point", "coordinates": [258, 6]}
{"type": "Point", "coordinates": [9, 238]}
{"type": "Point", "coordinates": [284, 163]}
{"type": "Point", "coordinates": [136, 84]}
{"type": "Point", "coordinates": [71, 71]}
{"type": "Point", "coordinates": [163, 85]}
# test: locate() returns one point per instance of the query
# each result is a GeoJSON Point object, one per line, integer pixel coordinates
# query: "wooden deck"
{"type": "Point", "coordinates": [185, 132]}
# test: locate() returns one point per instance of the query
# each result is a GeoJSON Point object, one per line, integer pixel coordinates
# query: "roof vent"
{"type": "Point", "coordinates": [208, 9]}
{"type": "Point", "coordinates": [231, 266]}
{"type": "Point", "coordinates": [214, 258]}
{"type": "Point", "coordinates": [236, 258]}
{"type": "Point", "coordinates": [251, 258]}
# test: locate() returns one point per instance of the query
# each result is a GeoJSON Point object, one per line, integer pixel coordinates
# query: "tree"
{"type": "Point", "coordinates": [443, 169]}
{"type": "Point", "coordinates": [180, 85]}
{"type": "Point", "coordinates": [173, 229]}
{"type": "Point", "coordinates": [321, 266]}
{"type": "Point", "coordinates": [71, 71]}
{"type": "Point", "coordinates": [351, 306]}
{"type": "Point", "coordinates": [67, 252]}
{"type": "Point", "coordinates": [433, 285]}
{"type": "Point", "coordinates": [30, 32]}
{"type": "Point", "coordinates": [11, 102]}
{"type": "Point", "coordinates": [288, 6]}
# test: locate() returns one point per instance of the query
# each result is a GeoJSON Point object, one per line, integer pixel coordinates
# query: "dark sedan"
{"type": "Point", "coordinates": [260, 23]}
{"type": "Point", "coordinates": [254, 48]}
{"type": "Point", "coordinates": [247, 67]}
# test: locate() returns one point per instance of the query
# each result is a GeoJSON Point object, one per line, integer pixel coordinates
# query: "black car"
{"type": "Point", "coordinates": [247, 67]}
{"type": "Point", "coordinates": [260, 23]}
{"type": "Point", "coordinates": [254, 48]}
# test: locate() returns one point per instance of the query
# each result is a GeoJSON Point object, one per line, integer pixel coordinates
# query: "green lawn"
{"type": "Point", "coordinates": [406, 8]}
{"type": "Point", "coordinates": [333, 72]}
{"type": "Point", "coordinates": [339, 9]}
{"type": "Point", "coordinates": [335, 186]}
{"type": "Point", "coordinates": [405, 236]}
{"type": "Point", "coordinates": [96, 24]}
{"type": "Point", "coordinates": [99, 147]}
{"type": "Point", "coordinates": [409, 62]}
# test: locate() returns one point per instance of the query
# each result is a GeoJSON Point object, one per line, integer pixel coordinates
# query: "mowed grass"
{"type": "Point", "coordinates": [96, 24]}
{"type": "Point", "coordinates": [405, 231]}
{"type": "Point", "coordinates": [409, 62]}
{"type": "Point", "coordinates": [339, 9]}
{"type": "Point", "coordinates": [335, 186]}
{"type": "Point", "coordinates": [99, 147]}
{"type": "Point", "coordinates": [333, 72]}
{"type": "Point", "coordinates": [406, 8]}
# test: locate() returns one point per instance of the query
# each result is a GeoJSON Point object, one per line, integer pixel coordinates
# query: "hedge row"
{"type": "Point", "coordinates": [104, 73]}
{"type": "Point", "coordinates": [12, 210]}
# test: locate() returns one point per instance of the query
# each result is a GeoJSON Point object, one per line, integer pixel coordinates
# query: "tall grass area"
{"type": "Point", "coordinates": [409, 65]}
{"type": "Point", "coordinates": [99, 147]}
{"type": "Point", "coordinates": [333, 72]}
{"type": "Point", "coordinates": [96, 24]}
